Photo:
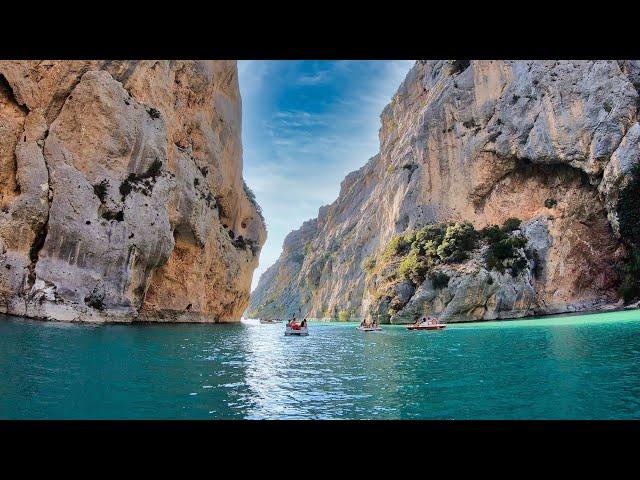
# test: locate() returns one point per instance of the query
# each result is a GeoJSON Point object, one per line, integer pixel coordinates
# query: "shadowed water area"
{"type": "Point", "coordinates": [579, 366]}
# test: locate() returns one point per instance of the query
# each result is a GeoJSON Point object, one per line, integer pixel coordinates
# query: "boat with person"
{"type": "Point", "coordinates": [430, 323]}
{"type": "Point", "coordinates": [294, 328]}
{"type": "Point", "coordinates": [368, 327]}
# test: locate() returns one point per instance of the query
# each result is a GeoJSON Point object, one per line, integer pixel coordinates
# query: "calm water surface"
{"type": "Point", "coordinates": [565, 367]}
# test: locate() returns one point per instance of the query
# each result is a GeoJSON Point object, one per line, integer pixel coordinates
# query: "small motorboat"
{"type": "Point", "coordinates": [267, 322]}
{"type": "Point", "coordinates": [296, 329]}
{"type": "Point", "coordinates": [369, 329]}
{"type": "Point", "coordinates": [429, 324]}
{"type": "Point", "coordinates": [437, 326]}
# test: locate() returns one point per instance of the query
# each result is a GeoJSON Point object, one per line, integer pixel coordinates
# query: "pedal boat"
{"type": "Point", "coordinates": [296, 330]}
{"type": "Point", "coordinates": [369, 329]}
{"type": "Point", "coordinates": [431, 324]}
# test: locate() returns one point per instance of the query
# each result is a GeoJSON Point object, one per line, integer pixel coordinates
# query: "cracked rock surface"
{"type": "Point", "coordinates": [121, 192]}
{"type": "Point", "coordinates": [549, 142]}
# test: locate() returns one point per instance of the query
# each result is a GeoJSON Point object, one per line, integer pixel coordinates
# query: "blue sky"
{"type": "Point", "coordinates": [305, 125]}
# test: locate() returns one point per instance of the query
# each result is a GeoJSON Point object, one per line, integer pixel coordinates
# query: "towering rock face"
{"type": "Point", "coordinates": [552, 143]}
{"type": "Point", "coordinates": [121, 192]}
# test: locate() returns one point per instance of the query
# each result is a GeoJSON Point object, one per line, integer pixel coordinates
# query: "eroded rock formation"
{"type": "Point", "coordinates": [550, 142]}
{"type": "Point", "coordinates": [121, 192]}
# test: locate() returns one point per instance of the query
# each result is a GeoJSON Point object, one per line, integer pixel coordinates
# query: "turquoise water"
{"type": "Point", "coordinates": [582, 367]}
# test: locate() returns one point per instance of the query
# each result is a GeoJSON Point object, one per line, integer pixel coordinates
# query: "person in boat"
{"type": "Point", "coordinates": [304, 323]}
{"type": "Point", "coordinates": [419, 321]}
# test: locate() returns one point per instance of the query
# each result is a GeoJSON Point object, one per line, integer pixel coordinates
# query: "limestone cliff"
{"type": "Point", "coordinates": [121, 192]}
{"type": "Point", "coordinates": [553, 143]}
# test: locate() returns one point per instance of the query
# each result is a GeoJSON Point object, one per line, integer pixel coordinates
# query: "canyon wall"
{"type": "Point", "coordinates": [121, 192]}
{"type": "Point", "coordinates": [552, 143]}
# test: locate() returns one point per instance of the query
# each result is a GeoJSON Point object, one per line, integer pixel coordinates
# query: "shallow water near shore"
{"type": "Point", "coordinates": [567, 367]}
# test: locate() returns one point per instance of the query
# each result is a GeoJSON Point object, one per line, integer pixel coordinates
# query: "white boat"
{"type": "Point", "coordinates": [300, 331]}
{"type": "Point", "coordinates": [429, 324]}
{"type": "Point", "coordinates": [369, 329]}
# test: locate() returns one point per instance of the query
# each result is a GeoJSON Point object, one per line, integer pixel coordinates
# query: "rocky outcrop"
{"type": "Point", "coordinates": [121, 192]}
{"type": "Point", "coordinates": [552, 143]}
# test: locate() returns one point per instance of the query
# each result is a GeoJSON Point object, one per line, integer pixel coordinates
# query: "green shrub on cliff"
{"type": "Point", "coordinates": [398, 245]}
{"type": "Point", "coordinates": [505, 253]}
{"type": "Point", "coordinates": [343, 316]}
{"type": "Point", "coordinates": [433, 233]}
{"type": "Point", "coordinates": [511, 224]}
{"type": "Point", "coordinates": [413, 267]}
{"type": "Point", "coordinates": [369, 263]}
{"type": "Point", "coordinates": [493, 234]}
{"type": "Point", "coordinates": [629, 221]}
{"type": "Point", "coordinates": [629, 209]}
{"type": "Point", "coordinates": [418, 251]}
{"type": "Point", "coordinates": [439, 280]}
{"type": "Point", "coordinates": [630, 286]}
{"type": "Point", "coordinates": [459, 239]}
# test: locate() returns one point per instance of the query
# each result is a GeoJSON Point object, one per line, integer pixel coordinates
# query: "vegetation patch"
{"type": "Point", "coordinates": [369, 263]}
{"type": "Point", "coordinates": [117, 216]}
{"type": "Point", "coordinates": [439, 280]}
{"type": "Point", "coordinates": [416, 252]}
{"type": "Point", "coordinates": [252, 198]}
{"type": "Point", "coordinates": [505, 247]}
{"type": "Point", "coordinates": [416, 255]}
{"type": "Point", "coordinates": [153, 113]}
{"type": "Point", "coordinates": [629, 221]}
{"type": "Point", "coordinates": [95, 300]}
{"type": "Point", "coordinates": [143, 182]}
{"type": "Point", "coordinates": [100, 190]}
{"type": "Point", "coordinates": [242, 243]}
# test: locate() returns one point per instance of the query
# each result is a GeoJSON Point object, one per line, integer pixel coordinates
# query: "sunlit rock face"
{"type": "Point", "coordinates": [121, 192]}
{"type": "Point", "coordinates": [549, 142]}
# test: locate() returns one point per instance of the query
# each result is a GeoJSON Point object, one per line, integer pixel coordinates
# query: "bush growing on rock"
{"type": "Point", "coordinates": [439, 280]}
{"type": "Point", "coordinates": [493, 234]}
{"type": "Point", "coordinates": [511, 224]}
{"type": "Point", "coordinates": [343, 316]}
{"type": "Point", "coordinates": [630, 286]}
{"type": "Point", "coordinates": [412, 255]}
{"type": "Point", "coordinates": [505, 254]}
{"type": "Point", "coordinates": [100, 190]}
{"type": "Point", "coordinates": [459, 239]}
{"type": "Point", "coordinates": [252, 198]}
{"type": "Point", "coordinates": [399, 245]}
{"type": "Point", "coordinates": [413, 267]}
{"type": "Point", "coordinates": [369, 263]}
{"type": "Point", "coordinates": [629, 220]}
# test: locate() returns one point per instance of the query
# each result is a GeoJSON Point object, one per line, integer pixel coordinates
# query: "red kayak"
{"type": "Point", "coordinates": [436, 326]}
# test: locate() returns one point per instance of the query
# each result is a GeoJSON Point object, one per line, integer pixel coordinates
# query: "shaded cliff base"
{"type": "Point", "coordinates": [606, 307]}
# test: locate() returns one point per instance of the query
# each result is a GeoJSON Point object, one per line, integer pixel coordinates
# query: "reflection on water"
{"type": "Point", "coordinates": [569, 367]}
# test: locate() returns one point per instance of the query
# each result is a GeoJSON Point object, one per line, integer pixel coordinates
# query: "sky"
{"type": "Point", "coordinates": [305, 125]}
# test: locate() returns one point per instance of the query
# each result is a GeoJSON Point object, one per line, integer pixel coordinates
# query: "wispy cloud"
{"type": "Point", "coordinates": [315, 79]}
